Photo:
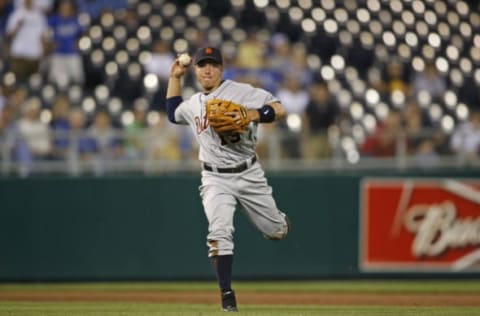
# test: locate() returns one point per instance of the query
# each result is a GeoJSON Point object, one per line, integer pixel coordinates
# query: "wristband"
{"type": "Point", "coordinates": [267, 113]}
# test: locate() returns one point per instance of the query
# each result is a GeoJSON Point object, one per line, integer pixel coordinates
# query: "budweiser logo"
{"type": "Point", "coordinates": [437, 228]}
{"type": "Point", "coordinates": [420, 225]}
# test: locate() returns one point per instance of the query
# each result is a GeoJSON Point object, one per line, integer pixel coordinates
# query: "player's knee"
{"type": "Point", "coordinates": [281, 232]}
{"type": "Point", "coordinates": [220, 247]}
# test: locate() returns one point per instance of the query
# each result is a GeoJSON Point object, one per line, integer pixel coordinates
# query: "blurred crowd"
{"type": "Point", "coordinates": [40, 46]}
{"type": "Point", "coordinates": [107, 104]}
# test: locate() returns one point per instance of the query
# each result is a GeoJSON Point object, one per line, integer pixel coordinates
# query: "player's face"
{"type": "Point", "coordinates": [209, 74]}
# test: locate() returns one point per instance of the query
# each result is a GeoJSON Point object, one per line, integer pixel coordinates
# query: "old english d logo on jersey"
{"type": "Point", "coordinates": [420, 225]}
{"type": "Point", "coordinates": [201, 123]}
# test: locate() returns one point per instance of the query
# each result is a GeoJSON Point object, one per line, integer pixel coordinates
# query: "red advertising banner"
{"type": "Point", "coordinates": [424, 225]}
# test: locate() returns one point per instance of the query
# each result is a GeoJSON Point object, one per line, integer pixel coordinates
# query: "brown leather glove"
{"type": "Point", "coordinates": [226, 117]}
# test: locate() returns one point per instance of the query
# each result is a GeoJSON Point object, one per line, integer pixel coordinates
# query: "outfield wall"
{"type": "Point", "coordinates": [137, 227]}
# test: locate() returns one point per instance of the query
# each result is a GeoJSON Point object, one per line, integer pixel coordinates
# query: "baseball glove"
{"type": "Point", "coordinates": [226, 117]}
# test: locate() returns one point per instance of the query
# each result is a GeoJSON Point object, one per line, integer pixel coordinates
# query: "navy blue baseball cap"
{"type": "Point", "coordinates": [208, 52]}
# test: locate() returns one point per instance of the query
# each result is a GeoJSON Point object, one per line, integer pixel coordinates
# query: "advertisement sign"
{"type": "Point", "coordinates": [424, 225]}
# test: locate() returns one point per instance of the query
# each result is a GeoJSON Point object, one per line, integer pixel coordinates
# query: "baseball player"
{"type": "Point", "coordinates": [231, 172]}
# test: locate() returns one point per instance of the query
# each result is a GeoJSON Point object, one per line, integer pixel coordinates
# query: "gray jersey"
{"type": "Point", "coordinates": [226, 150]}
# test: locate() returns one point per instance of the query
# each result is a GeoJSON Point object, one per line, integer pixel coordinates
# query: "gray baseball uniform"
{"type": "Point", "coordinates": [231, 172]}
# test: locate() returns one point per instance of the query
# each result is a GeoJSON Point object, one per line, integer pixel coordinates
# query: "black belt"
{"type": "Point", "coordinates": [237, 169]}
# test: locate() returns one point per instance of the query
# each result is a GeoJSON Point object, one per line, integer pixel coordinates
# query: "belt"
{"type": "Point", "coordinates": [237, 169]}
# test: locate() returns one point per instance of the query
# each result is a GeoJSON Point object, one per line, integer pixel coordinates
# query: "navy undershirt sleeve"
{"type": "Point", "coordinates": [172, 104]}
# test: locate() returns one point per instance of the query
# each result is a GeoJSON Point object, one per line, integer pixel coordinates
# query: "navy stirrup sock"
{"type": "Point", "coordinates": [223, 268]}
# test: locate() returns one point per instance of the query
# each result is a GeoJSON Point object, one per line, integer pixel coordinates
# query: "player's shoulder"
{"type": "Point", "coordinates": [237, 84]}
{"type": "Point", "coordinates": [195, 97]}
{"type": "Point", "coordinates": [237, 88]}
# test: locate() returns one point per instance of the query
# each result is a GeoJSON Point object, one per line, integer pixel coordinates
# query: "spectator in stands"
{"type": "Point", "coordinates": [320, 114]}
{"type": "Point", "coordinates": [3, 97]}
{"type": "Point", "coordinates": [45, 6]}
{"type": "Point", "coordinates": [5, 111]}
{"type": "Point", "coordinates": [421, 141]}
{"type": "Point", "coordinates": [279, 60]}
{"type": "Point", "coordinates": [231, 71]}
{"type": "Point", "coordinates": [396, 80]}
{"type": "Point", "coordinates": [95, 7]}
{"type": "Point", "coordinates": [383, 142]}
{"type": "Point", "coordinates": [288, 58]}
{"type": "Point", "coordinates": [60, 126]}
{"type": "Point", "coordinates": [7, 131]}
{"type": "Point", "coordinates": [27, 32]}
{"type": "Point", "coordinates": [161, 59]}
{"type": "Point", "coordinates": [34, 136]}
{"type": "Point", "coordinates": [82, 144]}
{"type": "Point", "coordinates": [16, 98]}
{"type": "Point", "coordinates": [396, 77]}
{"type": "Point", "coordinates": [135, 137]}
{"type": "Point", "coordinates": [429, 80]}
{"type": "Point", "coordinates": [465, 141]}
{"type": "Point", "coordinates": [107, 141]}
{"type": "Point", "coordinates": [268, 141]}
{"type": "Point", "coordinates": [6, 8]}
{"type": "Point", "coordinates": [376, 81]}
{"type": "Point", "coordinates": [251, 52]}
{"type": "Point", "coordinates": [66, 63]}
{"type": "Point", "coordinates": [295, 100]}
{"type": "Point", "coordinates": [159, 64]}
{"type": "Point", "coordinates": [164, 140]}
{"type": "Point", "coordinates": [293, 95]}
{"type": "Point", "coordinates": [279, 57]}
{"type": "Point", "coordinates": [4, 118]}
{"type": "Point", "coordinates": [250, 63]}
{"type": "Point", "coordinates": [299, 64]}
{"type": "Point", "coordinates": [187, 143]}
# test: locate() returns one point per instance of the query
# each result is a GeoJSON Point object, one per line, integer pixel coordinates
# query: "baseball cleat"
{"type": "Point", "coordinates": [229, 303]}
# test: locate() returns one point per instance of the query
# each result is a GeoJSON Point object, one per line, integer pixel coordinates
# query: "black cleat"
{"type": "Point", "coordinates": [229, 303]}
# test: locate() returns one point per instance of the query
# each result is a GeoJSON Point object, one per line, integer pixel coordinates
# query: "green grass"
{"type": "Point", "coordinates": [382, 286]}
{"type": "Point", "coordinates": [141, 309]}
{"type": "Point", "coordinates": [136, 309]}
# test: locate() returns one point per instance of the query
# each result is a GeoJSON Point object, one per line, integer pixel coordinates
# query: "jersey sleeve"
{"type": "Point", "coordinates": [181, 112]}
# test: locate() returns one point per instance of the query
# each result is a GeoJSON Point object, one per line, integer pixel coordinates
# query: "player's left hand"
{"type": "Point", "coordinates": [225, 116]}
{"type": "Point", "coordinates": [236, 116]}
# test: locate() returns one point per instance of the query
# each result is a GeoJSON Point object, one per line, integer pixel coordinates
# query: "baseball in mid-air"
{"type": "Point", "coordinates": [184, 59]}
